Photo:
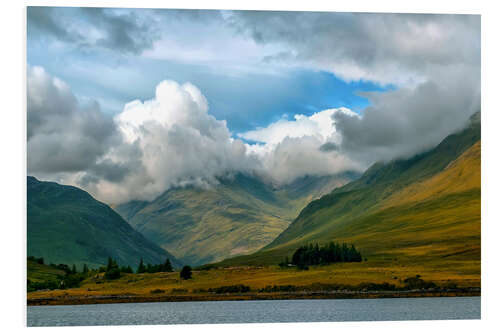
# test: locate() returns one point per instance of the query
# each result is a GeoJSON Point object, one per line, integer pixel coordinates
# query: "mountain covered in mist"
{"type": "Point", "coordinates": [423, 209]}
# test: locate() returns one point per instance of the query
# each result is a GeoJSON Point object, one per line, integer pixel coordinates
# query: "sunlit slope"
{"type": "Point", "coordinates": [422, 209]}
{"type": "Point", "coordinates": [461, 175]}
{"type": "Point", "coordinates": [240, 215]}
{"type": "Point", "coordinates": [67, 225]}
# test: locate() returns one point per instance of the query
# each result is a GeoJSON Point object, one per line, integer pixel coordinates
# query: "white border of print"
{"type": "Point", "coordinates": [13, 168]}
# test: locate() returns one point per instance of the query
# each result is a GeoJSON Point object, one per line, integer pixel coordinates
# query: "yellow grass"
{"type": "Point", "coordinates": [463, 273]}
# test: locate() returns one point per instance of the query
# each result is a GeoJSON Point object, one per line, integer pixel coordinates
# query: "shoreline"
{"type": "Point", "coordinates": [111, 299]}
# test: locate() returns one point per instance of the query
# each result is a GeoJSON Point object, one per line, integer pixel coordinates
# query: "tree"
{"type": "Point", "coordinates": [126, 269]}
{"type": "Point", "coordinates": [141, 268]}
{"type": "Point", "coordinates": [167, 266]}
{"type": "Point", "coordinates": [111, 264]}
{"type": "Point", "coordinates": [73, 269]}
{"type": "Point", "coordinates": [186, 273]}
{"type": "Point", "coordinates": [85, 268]}
{"type": "Point", "coordinates": [113, 273]}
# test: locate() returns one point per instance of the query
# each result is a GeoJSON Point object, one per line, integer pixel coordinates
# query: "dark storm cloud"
{"type": "Point", "coordinates": [380, 47]}
{"type": "Point", "coordinates": [42, 20]}
{"type": "Point", "coordinates": [122, 31]}
{"type": "Point", "coordinates": [107, 170]}
{"type": "Point", "coordinates": [328, 147]}
{"type": "Point", "coordinates": [407, 121]}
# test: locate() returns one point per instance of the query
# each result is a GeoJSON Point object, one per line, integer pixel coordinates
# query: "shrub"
{"type": "Point", "coordinates": [179, 291]}
{"type": "Point", "coordinates": [186, 273]}
{"type": "Point", "coordinates": [157, 291]}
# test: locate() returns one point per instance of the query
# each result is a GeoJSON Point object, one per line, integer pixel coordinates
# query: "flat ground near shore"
{"type": "Point", "coordinates": [464, 274]}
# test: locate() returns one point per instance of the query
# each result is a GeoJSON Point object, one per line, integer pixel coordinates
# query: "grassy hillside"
{"type": "Point", "coordinates": [424, 211]}
{"type": "Point", "coordinates": [66, 225]}
{"type": "Point", "coordinates": [38, 272]}
{"type": "Point", "coordinates": [240, 215]}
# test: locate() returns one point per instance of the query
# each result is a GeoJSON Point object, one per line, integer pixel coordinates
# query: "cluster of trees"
{"type": "Point", "coordinates": [70, 279]}
{"type": "Point", "coordinates": [320, 255]}
{"type": "Point", "coordinates": [112, 271]}
{"type": "Point", "coordinates": [165, 267]}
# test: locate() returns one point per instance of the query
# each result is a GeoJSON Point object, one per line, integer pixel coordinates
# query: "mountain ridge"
{"type": "Point", "coordinates": [382, 203]}
{"type": "Point", "coordinates": [239, 215]}
{"type": "Point", "coordinates": [66, 224]}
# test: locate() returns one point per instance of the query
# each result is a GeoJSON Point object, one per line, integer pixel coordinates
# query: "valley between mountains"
{"type": "Point", "coordinates": [419, 216]}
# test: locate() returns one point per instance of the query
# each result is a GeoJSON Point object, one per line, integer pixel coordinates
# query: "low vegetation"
{"type": "Point", "coordinates": [375, 277]}
{"type": "Point", "coordinates": [237, 288]}
{"type": "Point", "coordinates": [62, 276]}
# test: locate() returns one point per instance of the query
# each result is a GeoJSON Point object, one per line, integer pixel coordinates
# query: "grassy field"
{"type": "Point", "coordinates": [464, 275]}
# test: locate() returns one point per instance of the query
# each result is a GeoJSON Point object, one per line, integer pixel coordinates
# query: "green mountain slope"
{"type": "Point", "coordinates": [67, 225]}
{"type": "Point", "coordinates": [240, 215]}
{"type": "Point", "coordinates": [420, 209]}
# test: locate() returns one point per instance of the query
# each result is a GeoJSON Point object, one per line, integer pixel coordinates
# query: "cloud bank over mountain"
{"type": "Point", "coordinates": [429, 66]}
{"type": "Point", "coordinates": [169, 140]}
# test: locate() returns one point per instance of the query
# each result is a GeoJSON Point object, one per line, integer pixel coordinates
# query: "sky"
{"type": "Point", "coordinates": [127, 103]}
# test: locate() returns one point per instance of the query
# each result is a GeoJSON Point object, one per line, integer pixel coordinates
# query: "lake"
{"type": "Point", "coordinates": [272, 311]}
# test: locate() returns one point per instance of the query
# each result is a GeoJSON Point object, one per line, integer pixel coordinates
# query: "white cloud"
{"type": "Point", "coordinates": [320, 125]}
{"type": "Point", "coordinates": [180, 144]}
{"type": "Point", "coordinates": [289, 149]}
{"type": "Point", "coordinates": [167, 141]}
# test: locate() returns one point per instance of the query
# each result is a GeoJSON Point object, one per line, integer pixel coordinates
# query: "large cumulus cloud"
{"type": "Point", "coordinates": [180, 144]}
{"type": "Point", "coordinates": [65, 135]}
{"type": "Point", "coordinates": [167, 141]}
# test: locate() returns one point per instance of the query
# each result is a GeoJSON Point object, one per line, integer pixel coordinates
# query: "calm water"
{"type": "Point", "coordinates": [256, 311]}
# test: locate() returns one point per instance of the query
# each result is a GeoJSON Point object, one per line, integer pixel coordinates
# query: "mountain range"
{"type": "Point", "coordinates": [239, 215]}
{"type": "Point", "coordinates": [420, 210]}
